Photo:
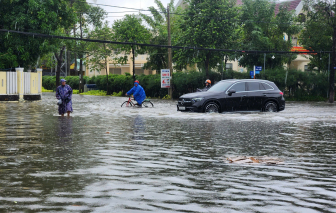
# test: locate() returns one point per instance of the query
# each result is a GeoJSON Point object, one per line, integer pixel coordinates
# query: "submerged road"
{"type": "Point", "coordinates": [105, 158]}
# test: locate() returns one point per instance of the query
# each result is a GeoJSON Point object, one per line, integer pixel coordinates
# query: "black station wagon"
{"type": "Point", "coordinates": [235, 95]}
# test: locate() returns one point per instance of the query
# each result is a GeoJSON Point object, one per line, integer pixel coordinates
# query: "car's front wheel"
{"type": "Point", "coordinates": [211, 107]}
{"type": "Point", "coordinates": [271, 107]}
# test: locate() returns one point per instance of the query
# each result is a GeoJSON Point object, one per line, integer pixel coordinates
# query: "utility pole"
{"type": "Point", "coordinates": [170, 63]}
{"type": "Point", "coordinates": [81, 86]}
{"type": "Point", "coordinates": [264, 66]}
{"type": "Point", "coordinates": [332, 71]}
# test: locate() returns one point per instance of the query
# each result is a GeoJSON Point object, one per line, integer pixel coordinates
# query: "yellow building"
{"type": "Point", "coordinates": [121, 69]}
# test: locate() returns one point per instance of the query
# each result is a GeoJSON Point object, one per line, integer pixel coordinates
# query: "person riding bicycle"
{"type": "Point", "coordinates": [207, 86]}
{"type": "Point", "coordinates": [138, 93]}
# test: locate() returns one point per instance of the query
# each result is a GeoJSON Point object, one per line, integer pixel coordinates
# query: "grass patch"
{"type": "Point", "coordinates": [166, 97]}
{"type": "Point", "coordinates": [46, 90]}
{"type": "Point", "coordinates": [101, 93]}
{"type": "Point", "coordinates": [75, 91]}
{"type": "Point", "coordinates": [95, 92]}
{"type": "Point", "coordinates": [119, 94]}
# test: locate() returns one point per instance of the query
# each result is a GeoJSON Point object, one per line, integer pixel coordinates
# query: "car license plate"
{"type": "Point", "coordinates": [181, 108]}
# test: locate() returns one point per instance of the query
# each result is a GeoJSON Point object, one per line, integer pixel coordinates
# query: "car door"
{"type": "Point", "coordinates": [237, 101]}
{"type": "Point", "coordinates": [255, 95]}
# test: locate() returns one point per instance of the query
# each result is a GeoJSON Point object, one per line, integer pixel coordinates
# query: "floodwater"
{"type": "Point", "coordinates": [110, 159]}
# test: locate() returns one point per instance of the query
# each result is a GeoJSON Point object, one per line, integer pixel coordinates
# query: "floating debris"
{"type": "Point", "coordinates": [255, 160]}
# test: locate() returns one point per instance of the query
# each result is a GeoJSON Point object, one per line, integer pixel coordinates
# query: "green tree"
{"type": "Point", "coordinates": [100, 52]}
{"type": "Point", "coordinates": [206, 24]}
{"type": "Point", "coordinates": [158, 56]}
{"type": "Point", "coordinates": [129, 29]}
{"type": "Point", "coordinates": [262, 30]}
{"type": "Point", "coordinates": [30, 16]}
{"type": "Point", "coordinates": [319, 34]}
{"type": "Point", "coordinates": [87, 17]}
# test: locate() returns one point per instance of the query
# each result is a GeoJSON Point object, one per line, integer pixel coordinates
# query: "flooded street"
{"type": "Point", "coordinates": [105, 158]}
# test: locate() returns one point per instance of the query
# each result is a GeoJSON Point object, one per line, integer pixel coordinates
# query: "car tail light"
{"type": "Point", "coordinates": [281, 93]}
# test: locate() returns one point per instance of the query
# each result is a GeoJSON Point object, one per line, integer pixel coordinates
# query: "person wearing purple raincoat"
{"type": "Point", "coordinates": [64, 93]}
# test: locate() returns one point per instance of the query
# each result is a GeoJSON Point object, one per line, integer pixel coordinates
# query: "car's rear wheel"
{"type": "Point", "coordinates": [271, 107]}
{"type": "Point", "coordinates": [211, 107]}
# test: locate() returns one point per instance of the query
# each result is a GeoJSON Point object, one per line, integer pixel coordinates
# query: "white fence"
{"type": "Point", "coordinates": [11, 83]}
{"type": "Point", "coordinates": [26, 83]}
{"type": "Point", "coordinates": [20, 85]}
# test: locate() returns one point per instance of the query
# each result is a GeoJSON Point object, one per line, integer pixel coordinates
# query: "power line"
{"type": "Point", "coordinates": [155, 45]}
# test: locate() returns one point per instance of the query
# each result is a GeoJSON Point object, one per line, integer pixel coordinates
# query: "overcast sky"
{"type": "Point", "coordinates": [138, 4]}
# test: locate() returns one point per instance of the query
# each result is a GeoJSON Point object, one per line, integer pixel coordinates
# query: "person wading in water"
{"type": "Point", "coordinates": [64, 96]}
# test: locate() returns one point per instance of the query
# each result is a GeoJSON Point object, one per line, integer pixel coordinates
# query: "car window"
{"type": "Point", "coordinates": [220, 86]}
{"type": "Point", "coordinates": [253, 86]}
{"type": "Point", "coordinates": [267, 86]}
{"type": "Point", "coordinates": [261, 87]}
{"type": "Point", "coordinates": [239, 87]}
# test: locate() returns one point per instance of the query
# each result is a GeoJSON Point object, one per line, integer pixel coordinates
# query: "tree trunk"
{"type": "Point", "coordinates": [225, 62]}
{"type": "Point", "coordinates": [133, 64]}
{"type": "Point", "coordinates": [68, 62]}
{"type": "Point", "coordinates": [81, 87]}
{"type": "Point", "coordinates": [107, 79]}
{"type": "Point", "coordinates": [58, 71]}
{"type": "Point", "coordinates": [59, 59]}
{"type": "Point", "coordinates": [332, 70]}
{"type": "Point", "coordinates": [207, 65]}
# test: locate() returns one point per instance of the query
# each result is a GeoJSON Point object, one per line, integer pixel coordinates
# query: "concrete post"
{"type": "Point", "coordinates": [20, 82]}
{"type": "Point", "coordinates": [39, 83]}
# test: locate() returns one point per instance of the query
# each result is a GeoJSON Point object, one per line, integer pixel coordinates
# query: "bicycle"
{"type": "Point", "coordinates": [146, 103]}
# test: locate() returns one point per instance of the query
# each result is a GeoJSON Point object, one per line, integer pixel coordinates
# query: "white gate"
{"type": "Point", "coordinates": [11, 83]}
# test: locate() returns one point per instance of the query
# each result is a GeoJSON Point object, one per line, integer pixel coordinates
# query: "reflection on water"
{"type": "Point", "coordinates": [108, 159]}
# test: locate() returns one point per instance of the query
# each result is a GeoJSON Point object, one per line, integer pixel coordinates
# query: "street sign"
{"type": "Point", "coordinates": [165, 78]}
{"type": "Point", "coordinates": [258, 68]}
{"type": "Point", "coordinates": [256, 72]}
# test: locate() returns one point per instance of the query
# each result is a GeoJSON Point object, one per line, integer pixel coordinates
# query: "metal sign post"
{"type": "Point", "coordinates": [253, 72]}
{"type": "Point", "coordinates": [256, 70]}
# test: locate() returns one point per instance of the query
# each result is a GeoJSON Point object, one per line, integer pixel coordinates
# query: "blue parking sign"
{"type": "Point", "coordinates": [251, 73]}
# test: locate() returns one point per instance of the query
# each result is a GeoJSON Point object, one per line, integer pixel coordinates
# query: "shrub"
{"type": "Point", "coordinates": [298, 86]}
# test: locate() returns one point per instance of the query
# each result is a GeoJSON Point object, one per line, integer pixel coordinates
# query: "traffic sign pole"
{"type": "Point", "coordinates": [253, 72]}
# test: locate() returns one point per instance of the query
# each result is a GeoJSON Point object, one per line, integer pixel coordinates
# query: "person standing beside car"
{"type": "Point", "coordinates": [207, 85]}
{"type": "Point", "coordinates": [64, 96]}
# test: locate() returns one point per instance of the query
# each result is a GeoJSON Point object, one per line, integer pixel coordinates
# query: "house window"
{"type": "Point", "coordinates": [302, 17]}
{"type": "Point", "coordinates": [229, 66]}
{"type": "Point", "coordinates": [306, 68]}
{"type": "Point", "coordinates": [115, 71]}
